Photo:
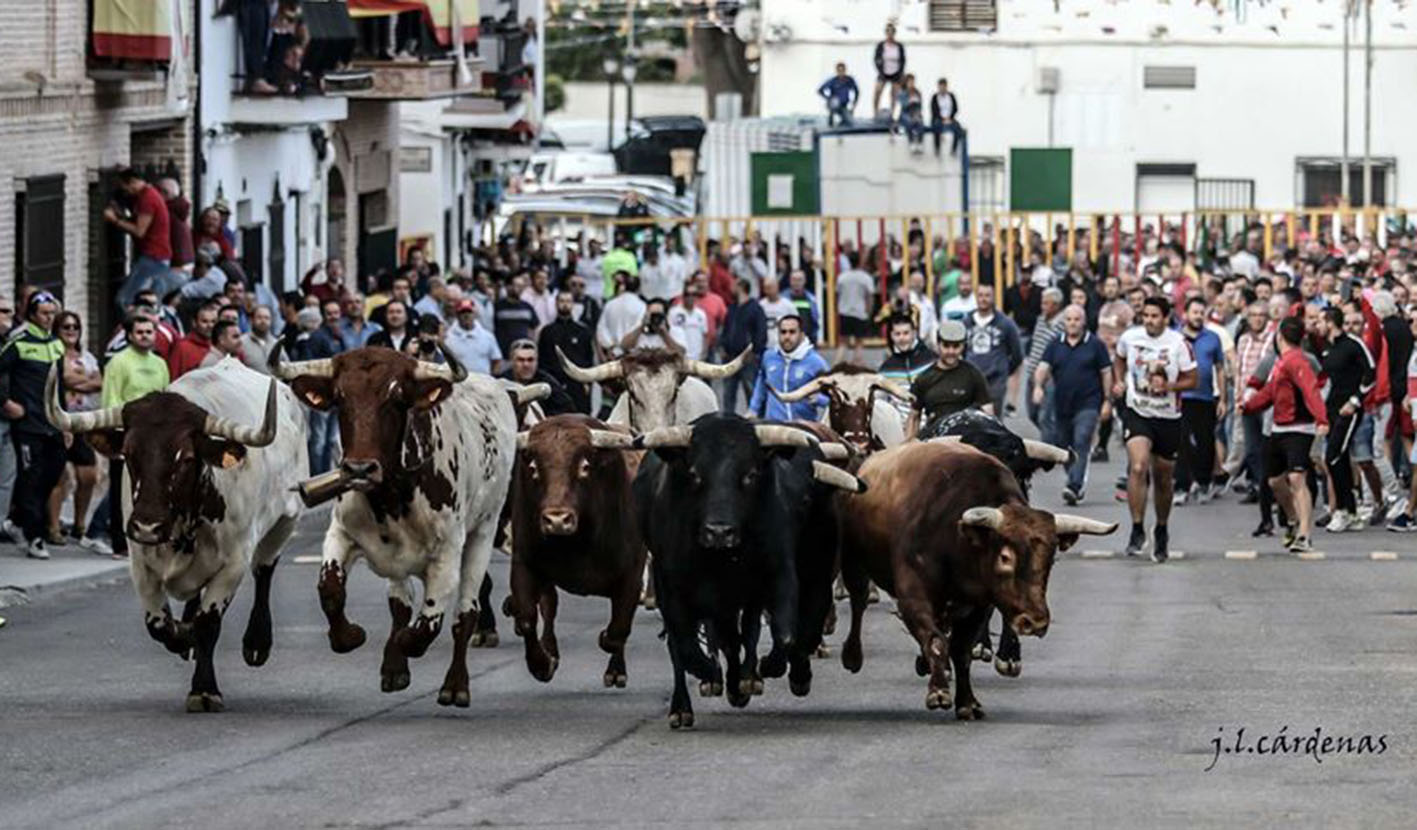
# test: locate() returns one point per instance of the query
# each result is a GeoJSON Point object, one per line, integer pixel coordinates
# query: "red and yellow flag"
{"type": "Point", "coordinates": [133, 29]}
{"type": "Point", "coordinates": [438, 13]}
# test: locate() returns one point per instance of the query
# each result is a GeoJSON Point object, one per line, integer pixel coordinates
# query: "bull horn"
{"type": "Point", "coordinates": [260, 436]}
{"type": "Point", "coordinates": [678, 436]}
{"type": "Point", "coordinates": [777, 435]}
{"type": "Point", "coordinates": [837, 477]}
{"type": "Point", "coordinates": [1068, 523]}
{"type": "Point", "coordinates": [453, 370]}
{"type": "Point", "coordinates": [604, 439]}
{"type": "Point", "coordinates": [834, 450]}
{"type": "Point", "coordinates": [990, 517]}
{"type": "Point", "coordinates": [598, 373]}
{"type": "Point", "coordinates": [76, 422]}
{"type": "Point", "coordinates": [890, 387]}
{"type": "Point", "coordinates": [322, 368]}
{"type": "Point", "coordinates": [528, 393]}
{"type": "Point", "coordinates": [799, 393]}
{"type": "Point", "coordinates": [1040, 451]}
{"type": "Point", "coordinates": [715, 371]}
{"type": "Point", "coordinates": [523, 439]}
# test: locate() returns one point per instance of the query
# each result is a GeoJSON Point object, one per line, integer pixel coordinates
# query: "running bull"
{"type": "Point", "coordinates": [212, 463]}
{"type": "Point", "coordinates": [949, 553]}
{"type": "Point", "coordinates": [428, 455]}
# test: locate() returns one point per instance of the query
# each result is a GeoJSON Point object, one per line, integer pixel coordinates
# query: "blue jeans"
{"type": "Point", "coordinates": [838, 112]}
{"type": "Point", "coordinates": [324, 429]}
{"type": "Point", "coordinates": [147, 273]}
{"type": "Point", "coordinates": [1075, 430]}
{"type": "Point", "coordinates": [939, 128]}
{"type": "Point", "coordinates": [914, 126]}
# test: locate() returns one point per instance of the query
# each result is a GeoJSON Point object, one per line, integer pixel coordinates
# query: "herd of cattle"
{"type": "Point", "coordinates": [740, 521]}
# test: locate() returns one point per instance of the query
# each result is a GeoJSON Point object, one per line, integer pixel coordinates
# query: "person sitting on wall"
{"type": "Point", "coordinates": [841, 93]}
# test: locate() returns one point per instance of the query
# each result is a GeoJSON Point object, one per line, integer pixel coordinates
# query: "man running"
{"type": "Point", "coordinates": [1351, 372]}
{"type": "Point", "coordinates": [1154, 364]}
{"type": "Point", "coordinates": [948, 386]}
{"type": "Point", "coordinates": [1299, 415]}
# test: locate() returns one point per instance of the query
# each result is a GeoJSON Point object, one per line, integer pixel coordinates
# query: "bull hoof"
{"type": "Point", "coordinates": [839, 593]}
{"type": "Point", "coordinates": [255, 655]}
{"type": "Point", "coordinates": [800, 688]}
{"type": "Point", "coordinates": [873, 595]}
{"type": "Point", "coordinates": [650, 604]}
{"type": "Point", "coordinates": [681, 720]}
{"type": "Point", "coordinates": [981, 652]}
{"type": "Point", "coordinates": [615, 680]}
{"type": "Point", "coordinates": [922, 666]}
{"type": "Point", "coordinates": [937, 699]}
{"type": "Point", "coordinates": [851, 657]}
{"type": "Point", "coordinates": [507, 607]}
{"type": "Point", "coordinates": [543, 671]}
{"type": "Point", "coordinates": [774, 665]}
{"type": "Point", "coordinates": [969, 711]}
{"type": "Point", "coordinates": [346, 639]}
{"type": "Point", "coordinates": [204, 702]}
{"type": "Point", "coordinates": [394, 681]}
{"type": "Point", "coordinates": [454, 697]}
{"type": "Point", "coordinates": [1008, 668]}
{"type": "Point", "coordinates": [484, 639]}
{"type": "Point", "coordinates": [757, 685]}
{"type": "Point", "coordinates": [710, 688]}
{"type": "Point", "coordinates": [739, 699]}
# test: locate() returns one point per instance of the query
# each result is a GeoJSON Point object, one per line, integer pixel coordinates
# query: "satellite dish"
{"type": "Point", "coordinates": [747, 25]}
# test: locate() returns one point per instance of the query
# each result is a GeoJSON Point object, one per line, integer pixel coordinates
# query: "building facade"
{"type": "Point", "coordinates": [1165, 106]}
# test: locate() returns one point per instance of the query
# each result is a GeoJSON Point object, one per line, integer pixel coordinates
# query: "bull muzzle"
{"type": "Point", "coordinates": [557, 522]}
{"type": "Point", "coordinates": [718, 535]}
{"type": "Point", "coordinates": [146, 533]}
{"type": "Point", "coordinates": [1031, 625]}
{"type": "Point", "coordinates": [362, 473]}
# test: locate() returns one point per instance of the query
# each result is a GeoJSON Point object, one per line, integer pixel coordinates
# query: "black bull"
{"type": "Point", "coordinates": [723, 505]}
{"type": "Point", "coordinates": [1023, 458]}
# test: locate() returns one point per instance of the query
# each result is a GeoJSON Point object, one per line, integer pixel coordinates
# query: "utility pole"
{"type": "Point", "coordinates": [1343, 163]}
{"type": "Point", "coordinates": [1368, 104]}
{"type": "Point", "coordinates": [631, 64]}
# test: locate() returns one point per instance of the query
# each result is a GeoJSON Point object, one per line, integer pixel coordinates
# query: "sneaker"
{"type": "Point", "coordinates": [96, 546]}
{"type": "Point", "coordinates": [1402, 524]}
{"type": "Point", "coordinates": [1342, 521]}
{"type": "Point", "coordinates": [1138, 541]}
{"type": "Point", "coordinates": [12, 532]}
{"type": "Point", "coordinates": [1264, 529]}
{"type": "Point", "coordinates": [1364, 514]}
{"type": "Point", "coordinates": [1291, 532]}
{"type": "Point", "coordinates": [1322, 521]}
{"type": "Point", "coordinates": [1159, 539]}
{"type": "Point", "coordinates": [1301, 544]}
{"type": "Point", "coordinates": [1121, 492]}
{"type": "Point", "coordinates": [1397, 506]}
{"type": "Point", "coordinates": [1204, 495]}
{"type": "Point", "coordinates": [1071, 497]}
{"type": "Point", "coordinates": [1217, 487]}
{"type": "Point", "coordinates": [1099, 455]}
{"type": "Point", "coordinates": [37, 550]}
{"type": "Point", "coordinates": [1180, 499]}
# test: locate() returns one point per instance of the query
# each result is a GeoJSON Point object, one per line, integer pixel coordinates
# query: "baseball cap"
{"type": "Point", "coordinates": [951, 331]}
{"type": "Point", "coordinates": [466, 305]}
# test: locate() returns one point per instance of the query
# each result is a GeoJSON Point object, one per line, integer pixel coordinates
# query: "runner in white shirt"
{"type": "Point", "coordinates": [688, 324]}
{"type": "Point", "coordinates": [1155, 365]}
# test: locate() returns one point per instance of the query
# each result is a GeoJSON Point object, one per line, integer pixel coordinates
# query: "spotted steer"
{"type": "Point", "coordinates": [209, 495]}
{"type": "Point", "coordinates": [427, 462]}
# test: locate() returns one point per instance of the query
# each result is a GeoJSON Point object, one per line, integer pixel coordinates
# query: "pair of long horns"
{"type": "Point", "coordinates": [1036, 450]}
{"type": "Point", "coordinates": [601, 439]}
{"type": "Point", "coordinates": [879, 383]}
{"type": "Point", "coordinates": [112, 418]}
{"type": "Point", "coordinates": [325, 367]}
{"type": "Point", "coordinates": [613, 369]}
{"type": "Point", "coordinates": [993, 518]}
{"type": "Point", "coordinates": [769, 435]}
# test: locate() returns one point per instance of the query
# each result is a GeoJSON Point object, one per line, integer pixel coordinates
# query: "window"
{"type": "Point", "coordinates": [987, 185]}
{"type": "Point", "coordinates": [1169, 77]}
{"type": "Point", "coordinates": [276, 275]}
{"type": "Point", "coordinates": [963, 15]}
{"type": "Point", "coordinates": [1225, 194]}
{"type": "Point", "coordinates": [39, 234]}
{"type": "Point", "coordinates": [1321, 181]}
{"type": "Point", "coordinates": [253, 252]}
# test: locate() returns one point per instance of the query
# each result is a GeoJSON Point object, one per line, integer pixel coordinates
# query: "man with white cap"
{"type": "Point", "coordinates": [950, 385]}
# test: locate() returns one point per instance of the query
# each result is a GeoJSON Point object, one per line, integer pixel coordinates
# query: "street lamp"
{"type": "Point", "coordinates": [629, 71]}
{"type": "Point", "coordinates": [612, 69]}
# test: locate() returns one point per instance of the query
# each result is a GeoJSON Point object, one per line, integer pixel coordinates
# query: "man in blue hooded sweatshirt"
{"type": "Point", "coordinates": [993, 346]}
{"type": "Point", "coordinates": [792, 364]}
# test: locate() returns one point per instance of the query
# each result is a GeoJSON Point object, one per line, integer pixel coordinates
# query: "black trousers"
{"type": "Point", "coordinates": [1197, 445]}
{"type": "Point", "coordinates": [117, 534]}
{"type": "Point", "coordinates": [1340, 468]}
{"type": "Point", "coordinates": [39, 462]}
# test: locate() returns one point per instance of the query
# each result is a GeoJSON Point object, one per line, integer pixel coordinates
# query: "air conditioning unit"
{"type": "Point", "coordinates": [1048, 80]}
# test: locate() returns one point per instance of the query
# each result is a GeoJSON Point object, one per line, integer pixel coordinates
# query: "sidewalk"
{"type": "Point", "coordinates": [23, 579]}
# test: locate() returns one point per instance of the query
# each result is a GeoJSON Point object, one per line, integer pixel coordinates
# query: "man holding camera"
{"type": "Point", "coordinates": [653, 333]}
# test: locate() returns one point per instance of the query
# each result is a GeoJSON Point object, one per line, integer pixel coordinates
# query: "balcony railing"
{"type": "Point", "coordinates": [418, 54]}
{"type": "Point", "coordinates": [300, 53]}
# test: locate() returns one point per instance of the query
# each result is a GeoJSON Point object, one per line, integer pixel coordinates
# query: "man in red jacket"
{"type": "Point", "coordinates": [1299, 416]}
{"type": "Point", "coordinates": [189, 352]}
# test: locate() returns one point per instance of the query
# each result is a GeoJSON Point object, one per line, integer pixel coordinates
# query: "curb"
{"type": "Point", "coordinates": [14, 595]}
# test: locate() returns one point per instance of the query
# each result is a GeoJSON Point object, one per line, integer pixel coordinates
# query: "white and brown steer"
{"type": "Point", "coordinates": [211, 473]}
{"type": "Point", "coordinates": [427, 462]}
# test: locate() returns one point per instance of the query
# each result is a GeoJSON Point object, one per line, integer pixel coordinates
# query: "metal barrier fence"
{"type": "Point", "coordinates": [1001, 237]}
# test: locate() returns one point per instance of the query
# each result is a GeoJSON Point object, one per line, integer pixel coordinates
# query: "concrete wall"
{"type": "Point", "coordinates": [1264, 97]}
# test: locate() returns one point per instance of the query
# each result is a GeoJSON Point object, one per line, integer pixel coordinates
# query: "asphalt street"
{"type": "Point", "coordinates": [1121, 717]}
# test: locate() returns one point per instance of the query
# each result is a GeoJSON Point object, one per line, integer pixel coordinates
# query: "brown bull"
{"type": "Point", "coordinates": [945, 529]}
{"type": "Point", "coordinates": [573, 528]}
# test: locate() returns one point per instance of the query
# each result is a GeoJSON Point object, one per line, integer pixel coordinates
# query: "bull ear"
{"type": "Point", "coordinates": [1067, 540]}
{"type": "Point", "coordinates": [219, 452]}
{"type": "Point", "coordinates": [316, 392]}
{"type": "Point", "coordinates": [431, 392]}
{"type": "Point", "coordinates": [1006, 561]}
{"type": "Point", "coordinates": [106, 442]}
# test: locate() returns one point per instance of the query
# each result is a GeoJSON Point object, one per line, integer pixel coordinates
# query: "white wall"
{"type": "Point", "coordinates": [875, 174]}
{"type": "Point", "coordinates": [1262, 100]}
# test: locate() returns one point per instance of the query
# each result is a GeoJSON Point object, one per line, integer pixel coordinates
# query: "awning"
{"type": "Point", "coordinates": [438, 13]}
{"type": "Point", "coordinates": [140, 30]}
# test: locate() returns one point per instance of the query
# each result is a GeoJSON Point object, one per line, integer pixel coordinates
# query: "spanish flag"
{"type": "Point", "coordinates": [438, 13]}
{"type": "Point", "coordinates": [133, 29]}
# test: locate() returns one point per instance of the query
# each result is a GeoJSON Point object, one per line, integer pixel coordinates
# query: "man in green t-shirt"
{"type": "Point", "coordinates": [132, 373]}
{"type": "Point", "coordinates": [950, 385]}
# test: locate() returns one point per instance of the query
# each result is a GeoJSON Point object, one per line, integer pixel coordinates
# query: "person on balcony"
{"type": "Point", "coordinates": [944, 115]}
{"type": "Point", "coordinates": [841, 94]}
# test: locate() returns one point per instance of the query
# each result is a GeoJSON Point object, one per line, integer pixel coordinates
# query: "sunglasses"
{"type": "Point", "coordinates": [69, 327]}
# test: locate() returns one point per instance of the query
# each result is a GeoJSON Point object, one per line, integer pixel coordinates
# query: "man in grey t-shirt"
{"type": "Point", "coordinates": [855, 291]}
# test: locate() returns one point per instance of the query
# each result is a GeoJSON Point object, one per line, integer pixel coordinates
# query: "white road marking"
{"type": "Point", "coordinates": [1383, 556]}
{"type": "Point", "coordinates": [1311, 556]}
{"type": "Point", "coordinates": [307, 559]}
{"type": "Point", "coordinates": [1098, 554]}
{"type": "Point", "coordinates": [1242, 554]}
